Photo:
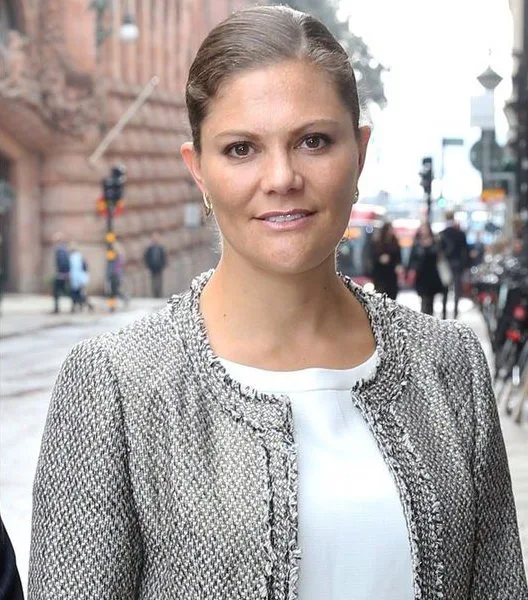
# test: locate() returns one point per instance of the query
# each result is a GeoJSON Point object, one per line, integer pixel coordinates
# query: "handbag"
{"type": "Point", "coordinates": [444, 270]}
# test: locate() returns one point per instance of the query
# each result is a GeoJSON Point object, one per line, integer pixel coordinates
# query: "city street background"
{"type": "Point", "coordinates": [35, 343]}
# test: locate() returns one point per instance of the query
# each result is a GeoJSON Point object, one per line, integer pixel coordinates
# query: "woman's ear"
{"type": "Point", "coordinates": [363, 140]}
{"type": "Point", "coordinates": [191, 158]}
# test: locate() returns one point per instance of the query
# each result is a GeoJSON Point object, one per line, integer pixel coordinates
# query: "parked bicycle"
{"type": "Point", "coordinates": [500, 289]}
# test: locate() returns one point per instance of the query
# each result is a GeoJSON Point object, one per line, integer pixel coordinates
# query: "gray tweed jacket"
{"type": "Point", "coordinates": [161, 478]}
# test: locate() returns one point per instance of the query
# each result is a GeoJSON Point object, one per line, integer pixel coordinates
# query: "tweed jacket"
{"type": "Point", "coordinates": [162, 478]}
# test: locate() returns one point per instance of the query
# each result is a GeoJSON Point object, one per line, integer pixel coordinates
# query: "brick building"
{"type": "Point", "coordinates": [60, 92]}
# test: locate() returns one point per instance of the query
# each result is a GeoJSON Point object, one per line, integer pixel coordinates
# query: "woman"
{"type": "Point", "coordinates": [275, 432]}
{"type": "Point", "coordinates": [423, 264]}
{"type": "Point", "coordinates": [386, 261]}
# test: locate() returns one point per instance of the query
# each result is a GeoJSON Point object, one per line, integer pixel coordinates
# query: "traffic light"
{"type": "Point", "coordinates": [114, 185]}
{"type": "Point", "coordinates": [426, 174]}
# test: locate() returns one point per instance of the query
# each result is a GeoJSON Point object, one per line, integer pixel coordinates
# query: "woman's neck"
{"type": "Point", "coordinates": [269, 320]}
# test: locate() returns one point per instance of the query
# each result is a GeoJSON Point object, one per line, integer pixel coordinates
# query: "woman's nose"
{"type": "Point", "coordinates": [279, 174]}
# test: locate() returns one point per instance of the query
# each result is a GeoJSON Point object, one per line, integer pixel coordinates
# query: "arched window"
{"type": "Point", "coordinates": [8, 20]}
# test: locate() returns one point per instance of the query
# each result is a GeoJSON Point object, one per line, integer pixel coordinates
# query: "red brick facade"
{"type": "Point", "coordinates": [59, 94]}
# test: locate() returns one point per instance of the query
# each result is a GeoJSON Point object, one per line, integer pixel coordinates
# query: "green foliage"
{"type": "Point", "coordinates": [368, 70]}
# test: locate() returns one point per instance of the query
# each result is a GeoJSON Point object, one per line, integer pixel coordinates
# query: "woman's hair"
{"type": "Point", "coordinates": [258, 37]}
{"type": "Point", "coordinates": [420, 231]}
{"type": "Point", "coordinates": [386, 234]}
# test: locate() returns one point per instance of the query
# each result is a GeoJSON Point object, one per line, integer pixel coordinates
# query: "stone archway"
{"type": "Point", "coordinates": [21, 166]}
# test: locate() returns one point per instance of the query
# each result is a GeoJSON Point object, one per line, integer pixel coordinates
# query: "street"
{"type": "Point", "coordinates": [29, 364]}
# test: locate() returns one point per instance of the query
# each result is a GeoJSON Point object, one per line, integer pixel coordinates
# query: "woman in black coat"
{"type": "Point", "coordinates": [423, 262]}
{"type": "Point", "coordinates": [386, 261]}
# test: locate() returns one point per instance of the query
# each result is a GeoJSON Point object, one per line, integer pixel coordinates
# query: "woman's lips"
{"type": "Point", "coordinates": [286, 220]}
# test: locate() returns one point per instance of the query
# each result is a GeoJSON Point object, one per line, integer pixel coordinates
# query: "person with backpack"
{"type": "Point", "coordinates": [62, 269]}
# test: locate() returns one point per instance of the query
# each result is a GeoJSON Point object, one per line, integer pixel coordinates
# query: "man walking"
{"type": "Point", "coordinates": [156, 261]}
{"type": "Point", "coordinates": [454, 248]}
{"type": "Point", "coordinates": [62, 269]}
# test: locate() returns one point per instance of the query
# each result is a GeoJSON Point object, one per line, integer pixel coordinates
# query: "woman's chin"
{"type": "Point", "coordinates": [295, 264]}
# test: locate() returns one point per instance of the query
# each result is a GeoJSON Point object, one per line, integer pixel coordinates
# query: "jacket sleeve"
{"type": "Point", "coordinates": [85, 541]}
{"type": "Point", "coordinates": [498, 565]}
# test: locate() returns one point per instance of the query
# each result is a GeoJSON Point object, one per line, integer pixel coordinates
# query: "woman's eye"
{"type": "Point", "coordinates": [240, 150]}
{"type": "Point", "coordinates": [315, 142]}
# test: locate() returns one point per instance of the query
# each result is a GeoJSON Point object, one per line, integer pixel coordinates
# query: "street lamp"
{"type": "Point", "coordinates": [488, 79]}
{"type": "Point", "coordinates": [128, 32]}
{"type": "Point", "coordinates": [487, 151]}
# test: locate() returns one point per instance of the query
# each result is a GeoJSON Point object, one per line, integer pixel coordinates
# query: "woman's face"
{"type": "Point", "coordinates": [424, 231]}
{"type": "Point", "coordinates": [280, 162]}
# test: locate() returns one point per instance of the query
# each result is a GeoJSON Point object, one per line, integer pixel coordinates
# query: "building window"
{"type": "Point", "coordinates": [7, 20]}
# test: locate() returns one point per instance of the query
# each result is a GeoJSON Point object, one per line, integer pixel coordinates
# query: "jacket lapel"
{"type": "Point", "coordinates": [380, 400]}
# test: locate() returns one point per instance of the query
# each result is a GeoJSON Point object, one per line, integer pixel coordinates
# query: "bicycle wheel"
{"type": "Point", "coordinates": [522, 400]}
{"type": "Point", "coordinates": [521, 388]}
{"type": "Point", "coordinates": [505, 364]}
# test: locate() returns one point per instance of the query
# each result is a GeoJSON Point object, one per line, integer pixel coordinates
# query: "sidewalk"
{"type": "Point", "coordinates": [21, 314]}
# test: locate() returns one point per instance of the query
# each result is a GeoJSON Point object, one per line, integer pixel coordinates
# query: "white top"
{"type": "Point", "coordinates": [352, 530]}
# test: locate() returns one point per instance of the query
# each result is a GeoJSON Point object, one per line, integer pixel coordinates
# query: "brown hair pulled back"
{"type": "Point", "coordinates": [258, 37]}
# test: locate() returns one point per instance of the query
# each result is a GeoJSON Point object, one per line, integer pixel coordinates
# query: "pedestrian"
{"type": "Point", "coordinates": [117, 273]}
{"type": "Point", "coordinates": [62, 269]}
{"type": "Point", "coordinates": [156, 260]}
{"type": "Point", "coordinates": [454, 248]}
{"type": "Point", "coordinates": [275, 431]}
{"type": "Point", "coordinates": [10, 584]}
{"type": "Point", "coordinates": [79, 278]}
{"type": "Point", "coordinates": [386, 260]}
{"type": "Point", "coordinates": [423, 267]}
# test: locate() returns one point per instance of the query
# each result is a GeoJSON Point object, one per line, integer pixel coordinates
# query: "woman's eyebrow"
{"type": "Point", "coordinates": [245, 134]}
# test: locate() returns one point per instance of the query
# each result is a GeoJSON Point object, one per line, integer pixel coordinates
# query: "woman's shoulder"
{"type": "Point", "coordinates": [147, 344]}
{"type": "Point", "coordinates": [446, 334]}
{"type": "Point", "coordinates": [440, 341]}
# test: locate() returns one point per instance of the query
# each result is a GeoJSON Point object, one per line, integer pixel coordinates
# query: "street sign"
{"type": "Point", "coordinates": [493, 195]}
{"type": "Point", "coordinates": [496, 153]}
{"type": "Point", "coordinates": [452, 142]}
